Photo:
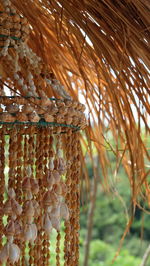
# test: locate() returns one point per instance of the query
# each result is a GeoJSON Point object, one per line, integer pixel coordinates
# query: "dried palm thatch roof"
{"type": "Point", "coordinates": [100, 49]}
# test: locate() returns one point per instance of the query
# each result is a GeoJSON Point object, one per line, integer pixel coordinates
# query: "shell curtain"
{"type": "Point", "coordinates": [40, 154]}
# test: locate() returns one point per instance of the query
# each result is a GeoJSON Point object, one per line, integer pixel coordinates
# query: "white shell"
{"type": "Point", "coordinates": [14, 253]}
{"type": "Point", "coordinates": [55, 223]}
{"type": "Point", "coordinates": [47, 225]}
{"type": "Point", "coordinates": [30, 233]}
{"type": "Point", "coordinates": [16, 207]}
{"type": "Point", "coordinates": [11, 193]}
{"type": "Point", "coordinates": [64, 211]}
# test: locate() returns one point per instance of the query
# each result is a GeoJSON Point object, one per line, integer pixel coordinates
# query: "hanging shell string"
{"type": "Point", "coordinates": [37, 247]}
{"type": "Point", "coordinates": [19, 178]}
{"type": "Point", "coordinates": [58, 237]}
{"type": "Point", "coordinates": [47, 147]}
{"type": "Point", "coordinates": [25, 156]}
{"type": "Point", "coordinates": [40, 151]}
{"type": "Point", "coordinates": [2, 179]}
{"type": "Point", "coordinates": [69, 154]}
{"type": "Point", "coordinates": [58, 248]}
{"type": "Point", "coordinates": [10, 253]}
{"type": "Point", "coordinates": [75, 196]}
{"type": "Point", "coordinates": [30, 172]}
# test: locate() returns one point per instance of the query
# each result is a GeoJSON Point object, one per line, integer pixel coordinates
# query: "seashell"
{"type": "Point", "coordinates": [34, 233]}
{"type": "Point", "coordinates": [4, 254]}
{"type": "Point", "coordinates": [29, 195]}
{"type": "Point", "coordinates": [47, 225]}
{"type": "Point", "coordinates": [52, 110]}
{"type": "Point", "coordinates": [63, 110]}
{"type": "Point", "coordinates": [29, 209]}
{"type": "Point", "coordinates": [16, 207]}
{"type": "Point", "coordinates": [64, 211]}
{"type": "Point", "coordinates": [51, 164]}
{"type": "Point", "coordinates": [55, 223]}
{"type": "Point", "coordinates": [48, 118]}
{"type": "Point", "coordinates": [60, 165]}
{"type": "Point", "coordinates": [40, 111]}
{"type": "Point", "coordinates": [21, 117]}
{"type": "Point", "coordinates": [27, 233]}
{"type": "Point", "coordinates": [49, 180]}
{"type": "Point", "coordinates": [27, 109]}
{"type": "Point", "coordinates": [30, 232]}
{"type": "Point", "coordinates": [5, 117]}
{"type": "Point", "coordinates": [34, 186]}
{"type": "Point", "coordinates": [55, 212]}
{"type": "Point", "coordinates": [11, 193]}
{"type": "Point", "coordinates": [16, 18]}
{"type": "Point", "coordinates": [57, 189]}
{"type": "Point", "coordinates": [10, 229]}
{"type": "Point", "coordinates": [29, 170]}
{"type": "Point", "coordinates": [56, 176]}
{"type": "Point", "coordinates": [49, 209]}
{"type": "Point", "coordinates": [7, 207]}
{"type": "Point", "coordinates": [12, 108]}
{"type": "Point", "coordinates": [47, 199]}
{"type": "Point", "coordinates": [18, 228]}
{"type": "Point", "coordinates": [68, 120]}
{"type": "Point", "coordinates": [33, 117]}
{"type": "Point", "coordinates": [36, 208]}
{"type": "Point", "coordinates": [26, 185]}
{"type": "Point", "coordinates": [45, 101]}
{"type": "Point", "coordinates": [64, 189]}
{"type": "Point", "coordinates": [14, 253]}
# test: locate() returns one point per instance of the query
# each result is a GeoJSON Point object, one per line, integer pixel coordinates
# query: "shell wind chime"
{"type": "Point", "coordinates": [39, 154]}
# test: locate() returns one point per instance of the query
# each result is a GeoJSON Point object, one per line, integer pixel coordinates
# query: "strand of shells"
{"type": "Point", "coordinates": [43, 189]}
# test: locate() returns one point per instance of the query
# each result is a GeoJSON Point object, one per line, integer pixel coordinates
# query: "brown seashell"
{"type": "Point", "coordinates": [27, 109]}
{"type": "Point", "coordinates": [30, 233]}
{"type": "Point", "coordinates": [5, 117]}
{"type": "Point", "coordinates": [52, 110]}
{"type": "Point", "coordinates": [16, 207]}
{"type": "Point", "coordinates": [57, 189]}
{"type": "Point", "coordinates": [21, 117]}
{"type": "Point", "coordinates": [40, 111]}
{"type": "Point", "coordinates": [37, 208]}
{"type": "Point", "coordinates": [10, 229]}
{"type": "Point", "coordinates": [11, 193]}
{"type": "Point", "coordinates": [64, 189]}
{"type": "Point", "coordinates": [34, 186]}
{"type": "Point", "coordinates": [29, 209]}
{"type": "Point", "coordinates": [18, 228]}
{"type": "Point", "coordinates": [56, 176]}
{"type": "Point", "coordinates": [64, 211]}
{"type": "Point", "coordinates": [4, 254]}
{"type": "Point", "coordinates": [55, 223]}
{"type": "Point", "coordinates": [47, 225]}
{"type": "Point", "coordinates": [26, 184]}
{"type": "Point", "coordinates": [49, 180]}
{"type": "Point", "coordinates": [47, 199]}
{"type": "Point", "coordinates": [60, 165]}
{"type": "Point", "coordinates": [33, 117]}
{"type": "Point", "coordinates": [45, 101]}
{"type": "Point", "coordinates": [7, 207]}
{"type": "Point", "coordinates": [12, 108]}
{"type": "Point", "coordinates": [48, 118]}
{"type": "Point", "coordinates": [16, 18]}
